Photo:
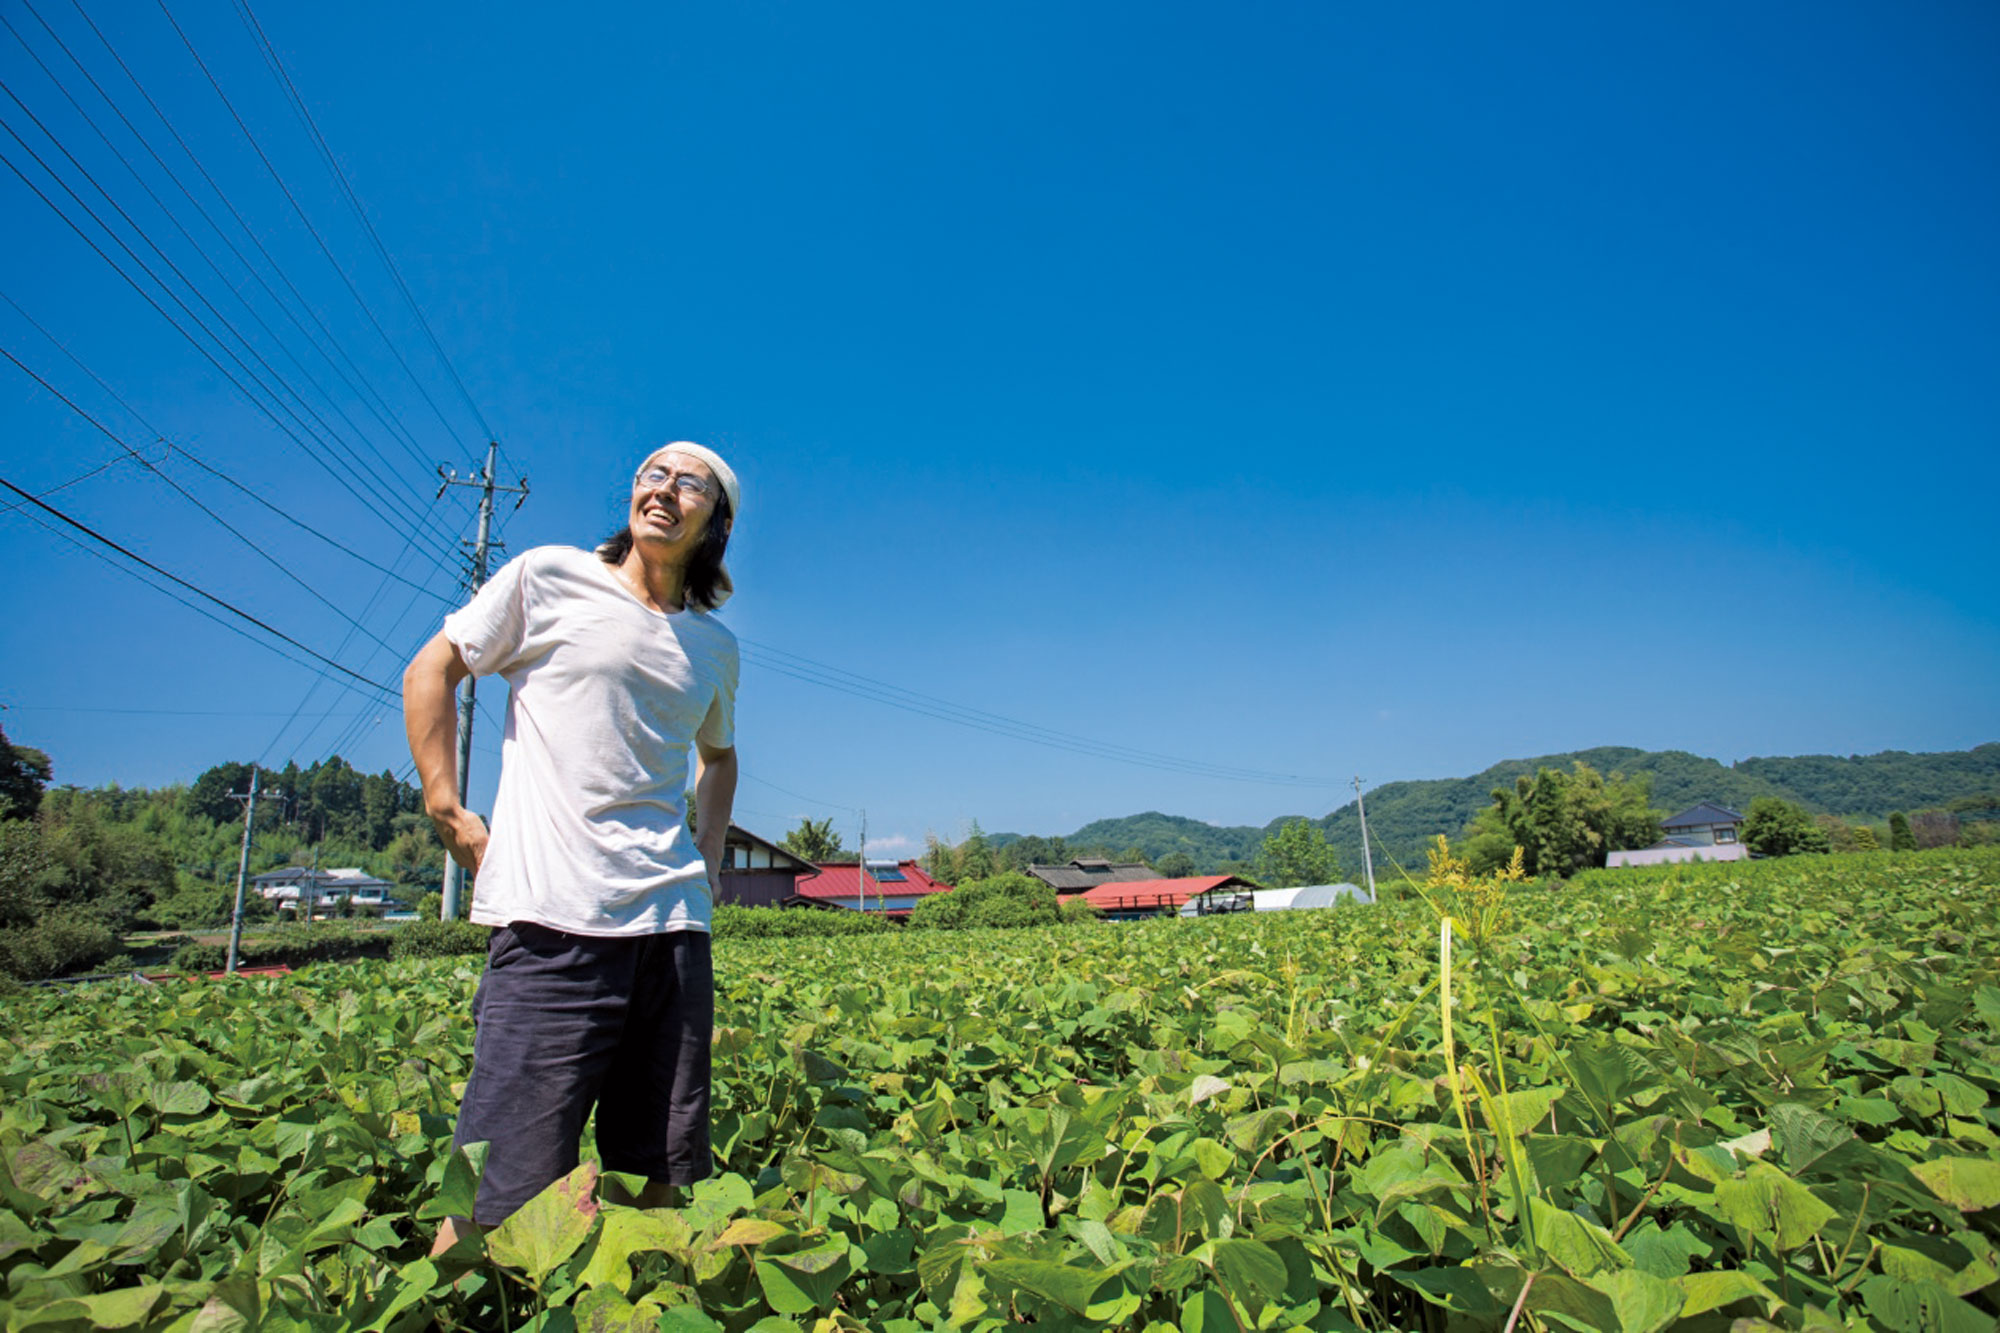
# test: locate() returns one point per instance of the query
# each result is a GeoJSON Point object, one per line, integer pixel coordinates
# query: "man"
{"type": "Point", "coordinates": [598, 990]}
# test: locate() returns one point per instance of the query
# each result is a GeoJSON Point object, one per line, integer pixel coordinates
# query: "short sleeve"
{"type": "Point", "coordinates": [488, 630]}
{"type": "Point", "coordinates": [718, 728]}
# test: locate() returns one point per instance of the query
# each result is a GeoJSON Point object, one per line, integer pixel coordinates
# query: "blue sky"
{"type": "Point", "coordinates": [1308, 390]}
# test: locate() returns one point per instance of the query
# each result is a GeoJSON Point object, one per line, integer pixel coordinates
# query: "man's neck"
{"type": "Point", "coordinates": [658, 583]}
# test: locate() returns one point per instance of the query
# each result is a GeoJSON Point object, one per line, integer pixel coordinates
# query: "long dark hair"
{"type": "Point", "coordinates": [704, 572]}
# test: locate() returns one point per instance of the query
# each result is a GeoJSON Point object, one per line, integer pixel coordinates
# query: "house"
{"type": "Point", "coordinates": [892, 888]}
{"type": "Point", "coordinates": [757, 872]}
{"type": "Point", "coordinates": [1129, 900]}
{"type": "Point", "coordinates": [287, 888]}
{"type": "Point", "coordinates": [1087, 872]}
{"type": "Point", "coordinates": [1275, 900]}
{"type": "Point", "coordinates": [1704, 832]}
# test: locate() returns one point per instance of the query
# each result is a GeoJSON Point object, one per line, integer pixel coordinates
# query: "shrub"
{"type": "Point", "coordinates": [1079, 910]}
{"type": "Point", "coordinates": [1002, 901]}
{"type": "Point", "coordinates": [62, 942]}
{"type": "Point", "coordinates": [288, 946]}
{"type": "Point", "coordinates": [199, 958]}
{"type": "Point", "coordinates": [430, 907]}
{"type": "Point", "coordinates": [438, 939]}
{"type": "Point", "coordinates": [757, 923]}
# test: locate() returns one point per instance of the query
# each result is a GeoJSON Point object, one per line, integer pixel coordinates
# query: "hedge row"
{"type": "Point", "coordinates": [758, 923]}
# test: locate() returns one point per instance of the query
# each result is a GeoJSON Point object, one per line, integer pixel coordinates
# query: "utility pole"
{"type": "Point", "coordinates": [454, 881]}
{"type": "Point", "coordinates": [861, 877]}
{"type": "Point", "coordinates": [1367, 860]}
{"type": "Point", "coordinates": [242, 869]}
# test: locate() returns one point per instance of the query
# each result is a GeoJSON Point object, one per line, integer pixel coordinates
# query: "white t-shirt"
{"type": "Point", "coordinates": [588, 830]}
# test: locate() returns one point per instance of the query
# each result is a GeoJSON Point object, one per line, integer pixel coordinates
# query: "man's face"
{"type": "Point", "coordinates": [673, 498]}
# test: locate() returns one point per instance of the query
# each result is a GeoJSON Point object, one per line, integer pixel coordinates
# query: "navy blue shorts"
{"type": "Point", "coordinates": [570, 1022]}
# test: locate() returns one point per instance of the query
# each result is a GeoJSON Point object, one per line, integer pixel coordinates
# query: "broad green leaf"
{"type": "Point", "coordinates": [1456, 1289]}
{"type": "Point", "coordinates": [1768, 1204]}
{"type": "Point", "coordinates": [1712, 1290]}
{"type": "Point", "coordinates": [460, 1187]}
{"type": "Point", "coordinates": [178, 1098]}
{"type": "Point", "coordinates": [1966, 1183]}
{"type": "Point", "coordinates": [749, 1231]}
{"type": "Point", "coordinates": [687, 1319]}
{"type": "Point", "coordinates": [1207, 1312]}
{"type": "Point", "coordinates": [1253, 1133]}
{"type": "Point", "coordinates": [1206, 1086]}
{"type": "Point", "coordinates": [125, 1308]}
{"type": "Point", "coordinates": [605, 1310]}
{"type": "Point", "coordinates": [1645, 1304]}
{"type": "Point", "coordinates": [1250, 1271]}
{"type": "Point", "coordinates": [806, 1280]}
{"type": "Point", "coordinates": [628, 1231]}
{"type": "Point", "coordinates": [1803, 1135]}
{"type": "Point", "coordinates": [1020, 1211]}
{"type": "Point", "coordinates": [1581, 1247]}
{"type": "Point", "coordinates": [548, 1228]}
{"type": "Point", "coordinates": [1214, 1160]}
{"type": "Point", "coordinates": [1522, 1111]}
{"type": "Point", "coordinates": [1667, 1253]}
{"type": "Point", "coordinates": [1068, 1285]}
{"type": "Point", "coordinates": [1920, 1307]}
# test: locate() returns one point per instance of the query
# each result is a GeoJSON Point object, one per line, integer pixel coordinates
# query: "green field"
{"type": "Point", "coordinates": [1741, 1097]}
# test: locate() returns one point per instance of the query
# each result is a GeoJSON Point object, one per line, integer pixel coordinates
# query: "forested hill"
{"type": "Point", "coordinates": [1403, 816]}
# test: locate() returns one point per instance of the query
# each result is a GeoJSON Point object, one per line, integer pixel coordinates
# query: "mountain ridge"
{"type": "Point", "coordinates": [1404, 816]}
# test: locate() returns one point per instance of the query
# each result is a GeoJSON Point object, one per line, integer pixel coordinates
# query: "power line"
{"type": "Point", "coordinates": [203, 593]}
{"type": "Point", "coordinates": [318, 456]}
{"type": "Point", "coordinates": [851, 683]}
{"type": "Point", "coordinates": [370, 397]}
{"type": "Point", "coordinates": [386, 497]}
{"type": "Point", "coordinates": [169, 593]}
{"type": "Point", "coordinates": [181, 491]}
{"type": "Point", "coordinates": [277, 67]}
{"type": "Point", "coordinates": [187, 236]}
{"type": "Point", "coordinates": [183, 451]}
{"type": "Point", "coordinates": [305, 220]}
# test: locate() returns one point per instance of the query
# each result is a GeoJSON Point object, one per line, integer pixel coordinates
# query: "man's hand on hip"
{"type": "Point", "coordinates": [463, 835]}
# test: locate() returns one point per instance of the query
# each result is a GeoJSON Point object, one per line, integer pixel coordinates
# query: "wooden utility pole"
{"type": "Point", "coordinates": [454, 881]}
{"type": "Point", "coordinates": [242, 869]}
{"type": "Point", "coordinates": [1367, 860]}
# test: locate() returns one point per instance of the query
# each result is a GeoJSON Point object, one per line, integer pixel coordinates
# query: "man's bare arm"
{"type": "Point", "coordinates": [430, 716]}
{"type": "Point", "coordinates": [714, 802]}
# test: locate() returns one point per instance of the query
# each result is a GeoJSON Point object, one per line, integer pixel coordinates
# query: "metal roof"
{"type": "Point", "coordinates": [1091, 871]}
{"type": "Point", "coordinates": [841, 880]}
{"type": "Point", "coordinates": [1141, 894]}
{"type": "Point", "coordinates": [1702, 815]}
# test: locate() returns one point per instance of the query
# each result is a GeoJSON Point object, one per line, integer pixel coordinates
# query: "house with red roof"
{"type": "Point", "coordinates": [892, 888]}
{"type": "Point", "coordinates": [1129, 900]}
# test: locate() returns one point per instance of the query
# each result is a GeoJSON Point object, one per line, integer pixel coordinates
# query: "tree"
{"type": "Point", "coordinates": [1776, 827]}
{"type": "Point", "coordinates": [1562, 822]}
{"type": "Point", "coordinates": [24, 775]}
{"type": "Point", "coordinates": [1175, 865]}
{"type": "Point", "coordinates": [1934, 828]}
{"type": "Point", "coordinates": [1297, 854]}
{"type": "Point", "coordinates": [814, 840]}
{"type": "Point", "coordinates": [1865, 839]}
{"type": "Point", "coordinates": [1034, 851]}
{"type": "Point", "coordinates": [975, 856]}
{"type": "Point", "coordinates": [1900, 837]}
{"type": "Point", "coordinates": [939, 861]}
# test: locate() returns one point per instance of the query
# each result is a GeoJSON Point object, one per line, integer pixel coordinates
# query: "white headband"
{"type": "Point", "coordinates": [723, 472]}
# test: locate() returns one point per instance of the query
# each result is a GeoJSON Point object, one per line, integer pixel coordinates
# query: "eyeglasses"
{"type": "Point", "coordinates": [686, 483]}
